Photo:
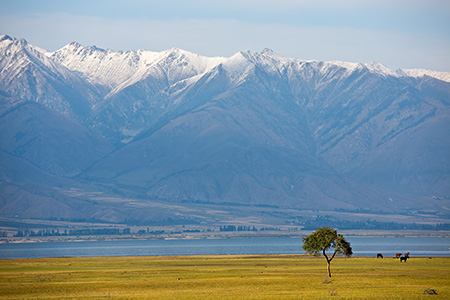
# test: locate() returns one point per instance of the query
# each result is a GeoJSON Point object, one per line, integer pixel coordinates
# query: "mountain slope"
{"type": "Point", "coordinates": [241, 132]}
{"type": "Point", "coordinates": [139, 100]}
{"type": "Point", "coordinates": [253, 129]}
{"type": "Point", "coordinates": [48, 139]}
{"type": "Point", "coordinates": [28, 74]}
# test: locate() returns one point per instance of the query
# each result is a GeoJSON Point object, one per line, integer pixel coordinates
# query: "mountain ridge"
{"type": "Point", "coordinates": [256, 128]}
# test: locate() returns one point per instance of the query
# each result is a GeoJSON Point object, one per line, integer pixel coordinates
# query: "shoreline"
{"type": "Point", "coordinates": [231, 256]}
{"type": "Point", "coordinates": [222, 235]}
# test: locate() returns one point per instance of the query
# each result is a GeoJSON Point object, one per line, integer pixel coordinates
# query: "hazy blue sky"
{"type": "Point", "coordinates": [397, 33]}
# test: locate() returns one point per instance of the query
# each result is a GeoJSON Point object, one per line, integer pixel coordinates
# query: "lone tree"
{"type": "Point", "coordinates": [324, 239]}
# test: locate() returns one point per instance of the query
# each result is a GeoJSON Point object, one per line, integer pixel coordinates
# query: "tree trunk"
{"type": "Point", "coordinates": [329, 262]}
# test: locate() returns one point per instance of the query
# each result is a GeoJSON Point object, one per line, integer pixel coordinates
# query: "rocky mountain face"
{"type": "Point", "coordinates": [255, 129]}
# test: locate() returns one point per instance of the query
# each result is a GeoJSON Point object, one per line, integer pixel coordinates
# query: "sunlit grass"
{"type": "Point", "coordinates": [223, 277]}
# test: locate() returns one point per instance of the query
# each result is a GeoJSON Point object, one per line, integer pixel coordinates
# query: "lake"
{"type": "Point", "coordinates": [363, 246]}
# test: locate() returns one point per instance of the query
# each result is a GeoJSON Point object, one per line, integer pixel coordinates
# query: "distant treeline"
{"type": "Point", "coordinates": [85, 232]}
{"type": "Point", "coordinates": [162, 222]}
{"type": "Point", "coordinates": [126, 231]}
{"type": "Point", "coordinates": [245, 228]}
{"type": "Point", "coordinates": [320, 221]}
{"type": "Point", "coordinates": [73, 232]}
{"type": "Point", "coordinates": [237, 228]}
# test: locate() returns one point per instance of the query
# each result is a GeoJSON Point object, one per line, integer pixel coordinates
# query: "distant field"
{"type": "Point", "coordinates": [223, 277]}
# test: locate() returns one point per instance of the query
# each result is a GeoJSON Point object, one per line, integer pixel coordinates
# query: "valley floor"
{"type": "Point", "coordinates": [224, 277]}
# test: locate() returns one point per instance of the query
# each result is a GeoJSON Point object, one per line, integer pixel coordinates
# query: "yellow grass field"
{"type": "Point", "coordinates": [223, 277]}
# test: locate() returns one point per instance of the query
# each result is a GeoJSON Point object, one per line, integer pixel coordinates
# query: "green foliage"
{"type": "Point", "coordinates": [324, 239]}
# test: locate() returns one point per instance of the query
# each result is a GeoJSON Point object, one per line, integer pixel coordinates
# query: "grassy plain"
{"type": "Point", "coordinates": [223, 277]}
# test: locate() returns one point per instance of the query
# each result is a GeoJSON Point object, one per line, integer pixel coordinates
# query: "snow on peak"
{"type": "Point", "coordinates": [199, 63]}
{"type": "Point", "coordinates": [379, 68]}
{"type": "Point", "coordinates": [18, 52]}
{"type": "Point", "coordinates": [100, 66]}
{"type": "Point", "coordinates": [267, 51]}
{"type": "Point", "coordinates": [372, 67]}
{"type": "Point", "coordinates": [7, 41]}
{"type": "Point", "coordinates": [20, 61]}
{"type": "Point", "coordinates": [169, 66]}
{"type": "Point", "coordinates": [346, 65]}
{"type": "Point", "coordinates": [239, 66]}
{"type": "Point", "coordinates": [118, 69]}
{"type": "Point", "coordinates": [74, 45]}
{"type": "Point", "coordinates": [174, 50]}
{"type": "Point", "coordinates": [243, 63]}
{"type": "Point", "coordinates": [417, 73]}
{"type": "Point", "coordinates": [4, 37]}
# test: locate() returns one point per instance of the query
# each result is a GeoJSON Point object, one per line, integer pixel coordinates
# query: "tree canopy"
{"type": "Point", "coordinates": [322, 240]}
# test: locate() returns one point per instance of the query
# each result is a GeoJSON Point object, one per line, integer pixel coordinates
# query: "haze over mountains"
{"type": "Point", "coordinates": [88, 133]}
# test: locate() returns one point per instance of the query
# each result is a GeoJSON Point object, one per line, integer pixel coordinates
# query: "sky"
{"type": "Point", "coordinates": [397, 33]}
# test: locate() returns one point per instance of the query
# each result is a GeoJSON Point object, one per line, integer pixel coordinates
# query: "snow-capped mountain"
{"type": "Point", "coordinates": [258, 105]}
{"type": "Point", "coordinates": [28, 74]}
{"type": "Point", "coordinates": [255, 128]}
{"type": "Point", "coordinates": [133, 80]}
{"type": "Point", "coordinates": [118, 70]}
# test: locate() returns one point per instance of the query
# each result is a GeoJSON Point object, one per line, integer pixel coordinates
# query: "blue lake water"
{"type": "Point", "coordinates": [363, 246]}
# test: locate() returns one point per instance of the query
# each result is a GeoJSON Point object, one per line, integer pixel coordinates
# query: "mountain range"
{"type": "Point", "coordinates": [88, 133]}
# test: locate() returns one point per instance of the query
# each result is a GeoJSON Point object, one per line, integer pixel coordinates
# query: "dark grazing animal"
{"type": "Point", "coordinates": [379, 255]}
{"type": "Point", "coordinates": [430, 292]}
{"type": "Point", "coordinates": [403, 258]}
